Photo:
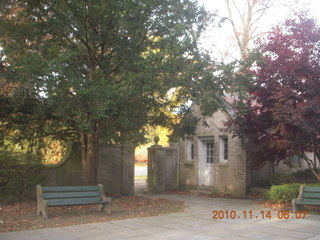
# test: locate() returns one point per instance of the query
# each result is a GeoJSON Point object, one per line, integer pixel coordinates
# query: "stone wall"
{"type": "Point", "coordinates": [115, 169]}
{"type": "Point", "coordinates": [289, 167]}
{"type": "Point", "coordinates": [68, 171]}
{"type": "Point", "coordinates": [262, 176]}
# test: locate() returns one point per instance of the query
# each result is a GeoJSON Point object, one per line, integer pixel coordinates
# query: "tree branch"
{"type": "Point", "coordinates": [311, 166]}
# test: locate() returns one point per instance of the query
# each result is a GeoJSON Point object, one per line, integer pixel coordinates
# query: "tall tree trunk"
{"type": "Point", "coordinates": [89, 147]}
{"type": "Point", "coordinates": [90, 141]}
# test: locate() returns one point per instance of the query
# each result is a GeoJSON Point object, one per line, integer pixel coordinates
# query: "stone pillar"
{"type": "Point", "coordinates": [155, 167]}
{"type": "Point", "coordinates": [162, 168]}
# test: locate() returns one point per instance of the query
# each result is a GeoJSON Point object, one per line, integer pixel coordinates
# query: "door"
{"type": "Point", "coordinates": [206, 167]}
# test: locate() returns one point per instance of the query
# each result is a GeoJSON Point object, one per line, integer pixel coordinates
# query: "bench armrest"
{"type": "Point", "coordinates": [295, 202]}
{"type": "Point", "coordinates": [301, 190]}
{"type": "Point", "coordinates": [42, 204]}
{"type": "Point", "coordinates": [107, 200]}
{"type": "Point", "coordinates": [39, 192]}
{"type": "Point", "coordinates": [103, 196]}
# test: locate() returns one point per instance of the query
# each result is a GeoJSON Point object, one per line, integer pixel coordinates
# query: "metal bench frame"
{"type": "Point", "coordinates": [71, 195]}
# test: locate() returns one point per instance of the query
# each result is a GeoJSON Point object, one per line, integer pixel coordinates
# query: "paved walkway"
{"type": "Point", "coordinates": [140, 171]}
{"type": "Point", "coordinates": [194, 223]}
{"type": "Point", "coordinates": [140, 181]}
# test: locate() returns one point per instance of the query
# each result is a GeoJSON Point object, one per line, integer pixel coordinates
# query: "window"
{"type": "Point", "coordinates": [209, 152]}
{"type": "Point", "coordinates": [295, 161]}
{"type": "Point", "coordinates": [224, 148]}
{"type": "Point", "coordinates": [190, 150]}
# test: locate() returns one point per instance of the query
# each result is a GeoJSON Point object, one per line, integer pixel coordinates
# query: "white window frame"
{"type": "Point", "coordinates": [224, 149]}
{"type": "Point", "coordinates": [209, 152]}
{"type": "Point", "coordinates": [190, 151]}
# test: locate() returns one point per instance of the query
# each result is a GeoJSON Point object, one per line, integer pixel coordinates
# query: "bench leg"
{"type": "Point", "coordinates": [42, 208]}
{"type": "Point", "coordinates": [45, 213]}
{"type": "Point", "coordinates": [100, 207]}
{"type": "Point", "coordinates": [295, 206]}
{"type": "Point", "coordinates": [104, 207]}
{"type": "Point", "coordinates": [108, 208]}
{"type": "Point", "coordinates": [38, 210]}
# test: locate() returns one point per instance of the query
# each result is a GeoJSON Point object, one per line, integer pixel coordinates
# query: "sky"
{"type": "Point", "coordinates": [220, 43]}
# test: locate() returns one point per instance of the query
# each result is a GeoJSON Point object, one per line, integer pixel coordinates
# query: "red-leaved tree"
{"type": "Point", "coordinates": [281, 115]}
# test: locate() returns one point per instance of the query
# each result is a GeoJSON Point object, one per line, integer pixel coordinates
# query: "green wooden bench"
{"type": "Point", "coordinates": [71, 195]}
{"type": "Point", "coordinates": [307, 196]}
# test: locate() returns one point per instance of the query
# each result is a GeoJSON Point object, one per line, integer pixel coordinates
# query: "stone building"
{"type": "Point", "coordinates": [212, 159]}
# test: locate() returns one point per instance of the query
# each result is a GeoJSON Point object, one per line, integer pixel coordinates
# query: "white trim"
{"type": "Point", "coordinates": [222, 143]}
{"type": "Point", "coordinates": [201, 142]}
{"type": "Point", "coordinates": [189, 144]}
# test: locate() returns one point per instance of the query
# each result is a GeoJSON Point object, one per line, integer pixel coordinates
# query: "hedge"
{"type": "Point", "coordinates": [286, 192]}
{"type": "Point", "coordinates": [19, 174]}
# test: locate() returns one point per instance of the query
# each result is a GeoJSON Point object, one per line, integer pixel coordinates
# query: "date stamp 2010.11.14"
{"type": "Point", "coordinates": [264, 214]}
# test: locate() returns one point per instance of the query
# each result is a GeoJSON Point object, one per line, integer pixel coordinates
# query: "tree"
{"type": "Point", "coordinates": [245, 18]}
{"type": "Point", "coordinates": [280, 117]}
{"type": "Point", "coordinates": [98, 70]}
{"type": "Point", "coordinates": [244, 21]}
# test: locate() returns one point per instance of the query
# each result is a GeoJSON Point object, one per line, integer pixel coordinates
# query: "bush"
{"type": "Point", "coordinates": [19, 174]}
{"type": "Point", "coordinates": [283, 193]}
{"type": "Point", "coordinates": [286, 192]}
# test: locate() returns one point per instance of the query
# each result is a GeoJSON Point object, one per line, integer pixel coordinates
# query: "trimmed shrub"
{"type": "Point", "coordinates": [19, 174]}
{"type": "Point", "coordinates": [283, 193]}
{"type": "Point", "coordinates": [286, 192]}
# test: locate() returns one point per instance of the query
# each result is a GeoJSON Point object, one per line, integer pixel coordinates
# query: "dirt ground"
{"type": "Point", "coordinates": [22, 216]}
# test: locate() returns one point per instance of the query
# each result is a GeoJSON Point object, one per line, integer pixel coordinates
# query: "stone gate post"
{"type": "Point", "coordinates": [162, 168]}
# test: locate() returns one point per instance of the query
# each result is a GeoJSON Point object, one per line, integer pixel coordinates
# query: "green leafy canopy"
{"type": "Point", "coordinates": [101, 67]}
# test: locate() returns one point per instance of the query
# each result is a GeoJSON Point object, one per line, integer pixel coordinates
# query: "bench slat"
{"type": "Point", "coordinates": [70, 189]}
{"type": "Point", "coordinates": [50, 195]}
{"type": "Point", "coordinates": [309, 202]}
{"type": "Point", "coordinates": [311, 189]}
{"type": "Point", "coordinates": [311, 195]}
{"type": "Point", "coordinates": [313, 201]}
{"type": "Point", "coordinates": [74, 201]}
